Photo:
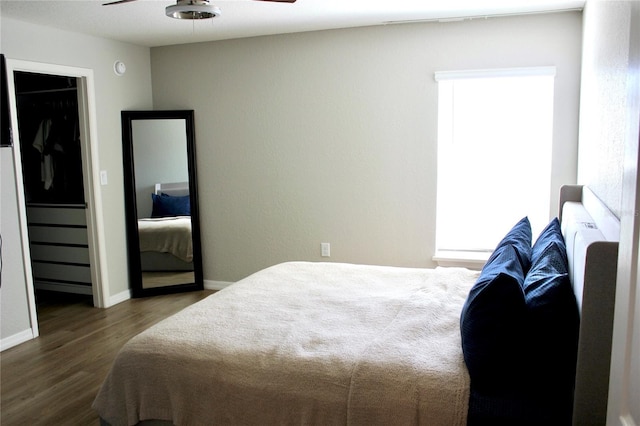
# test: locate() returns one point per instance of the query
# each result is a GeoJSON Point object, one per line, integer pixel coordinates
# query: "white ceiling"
{"type": "Point", "coordinates": [144, 22]}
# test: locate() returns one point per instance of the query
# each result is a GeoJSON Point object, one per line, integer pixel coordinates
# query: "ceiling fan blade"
{"type": "Point", "coordinates": [280, 1]}
{"type": "Point", "coordinates": [117, 2]}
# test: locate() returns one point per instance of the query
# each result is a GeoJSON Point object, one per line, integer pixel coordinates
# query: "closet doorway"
{"type": "Point", "coordinates": [54, 117]}
{"type": "Point", "coordinates": [51, 151]}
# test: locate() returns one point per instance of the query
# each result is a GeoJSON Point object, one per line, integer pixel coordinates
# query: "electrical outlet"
{"type": "Point", "coordinates": [325, 249]}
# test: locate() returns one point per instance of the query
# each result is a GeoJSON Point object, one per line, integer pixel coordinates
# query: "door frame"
{"type": "Point", "coordinates": [90, 166]}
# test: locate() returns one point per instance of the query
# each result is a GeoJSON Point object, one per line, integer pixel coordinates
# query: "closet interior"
{"type": "Point", "coordinates": [50, 146]}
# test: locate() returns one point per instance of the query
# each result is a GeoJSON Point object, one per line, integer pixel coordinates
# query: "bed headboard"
{"type": "Point", "coordinates": [175, 189]}
{"type": "Point", "coordinates": [591, 233]}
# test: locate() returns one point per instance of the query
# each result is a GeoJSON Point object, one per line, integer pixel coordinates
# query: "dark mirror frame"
{"type": "Point", "coordinates": [131, 219]}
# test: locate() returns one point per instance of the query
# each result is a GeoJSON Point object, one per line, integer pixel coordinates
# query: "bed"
{"type": "Point", "coordinates": [331, 343]}
{"type": "Point", "coordinates": [165, 238]}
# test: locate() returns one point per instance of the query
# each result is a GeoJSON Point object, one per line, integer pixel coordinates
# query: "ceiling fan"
{"type": "Point", "coordinates": [192, 9]}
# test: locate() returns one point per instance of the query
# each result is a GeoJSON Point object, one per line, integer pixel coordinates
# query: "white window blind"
{"type": "Point", "coordinates": [495, 131]}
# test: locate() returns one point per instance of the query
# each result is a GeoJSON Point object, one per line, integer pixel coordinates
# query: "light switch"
{"type": "Point", "coordinates": [103, 177]}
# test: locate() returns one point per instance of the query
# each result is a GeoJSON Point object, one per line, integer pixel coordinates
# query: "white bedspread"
{"type": "Point", "coordinates": [303, 343]}
{"type": "Point", "coordinates": [167, 235]}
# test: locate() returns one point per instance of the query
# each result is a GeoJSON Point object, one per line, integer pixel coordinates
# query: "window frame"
{"type": "Point", "coordinates": [462, 256]}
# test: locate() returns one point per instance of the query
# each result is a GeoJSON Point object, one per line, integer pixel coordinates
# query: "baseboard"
{"type": "Point", "coordinates": [216, 285]}
{"type": "Point", "coordinates": [16, 339]}
{"type": "Point", "coordinates": [118, 298]}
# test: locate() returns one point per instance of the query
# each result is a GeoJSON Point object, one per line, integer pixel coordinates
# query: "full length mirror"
{"type": "Point", "coordinates": [161, 202]}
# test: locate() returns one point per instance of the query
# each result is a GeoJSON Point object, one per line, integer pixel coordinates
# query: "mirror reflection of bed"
{"type": "Point", "coordinates": [166, 249]}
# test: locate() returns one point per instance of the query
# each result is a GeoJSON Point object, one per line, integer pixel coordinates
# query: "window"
{"type": "Point", "coordinates": [495, 130]}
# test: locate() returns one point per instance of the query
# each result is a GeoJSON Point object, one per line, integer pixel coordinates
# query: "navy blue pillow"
{"type": "Point", "coordinates": [520, 238]}
{"type": "Point", "coordinates": [552, 233]}
{"type": "Point", "coordinates": [552, 327]}
{"type": "Point", "coordinates": [166, 205]}
{"type": "Point", "coordinates": [492, 322]}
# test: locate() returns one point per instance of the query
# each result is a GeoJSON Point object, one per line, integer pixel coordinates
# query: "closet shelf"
{"type": "Point", "coordinates": [59, 205]}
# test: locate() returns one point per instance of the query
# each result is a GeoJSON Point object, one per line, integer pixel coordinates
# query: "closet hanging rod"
{"type": "Point", "coordinates": [37, 92]}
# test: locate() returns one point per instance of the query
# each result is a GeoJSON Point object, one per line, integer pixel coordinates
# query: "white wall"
{"type": "Point", "coordinates": [608, 163]}
{"type": "Point", "coordinates": [331, 136]}
{"type": "Point", "coordinates": [113, 94]}
{"type": "Point", "coordinates": [15, 323]}
{"type": "Point", "coordinates": [603, 100]}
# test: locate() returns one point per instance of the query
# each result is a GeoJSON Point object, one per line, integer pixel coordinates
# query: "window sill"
{"type": "Point", "coordinates": [462, 259]}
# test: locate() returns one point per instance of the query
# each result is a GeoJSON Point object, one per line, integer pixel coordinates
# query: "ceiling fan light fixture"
{"type": "Point", "coordinates": [192, 9]}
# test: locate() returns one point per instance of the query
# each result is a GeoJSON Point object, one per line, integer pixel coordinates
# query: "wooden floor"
{"type": "Point", "coordinates": [52, 380]}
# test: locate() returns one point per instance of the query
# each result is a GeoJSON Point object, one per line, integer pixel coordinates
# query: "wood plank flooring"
{"type": "Point", "coordinates": [52, 380]}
